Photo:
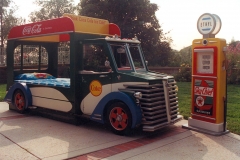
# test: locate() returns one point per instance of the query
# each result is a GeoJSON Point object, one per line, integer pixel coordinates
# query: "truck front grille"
{"type": "Point", "coordinates": [159, 104]}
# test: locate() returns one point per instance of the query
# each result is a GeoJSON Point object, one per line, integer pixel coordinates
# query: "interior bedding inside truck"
{"type": "Point", "coordinates": [42, 79]}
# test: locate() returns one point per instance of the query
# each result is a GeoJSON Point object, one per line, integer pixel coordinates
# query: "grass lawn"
{"type": "Point", "coordinates": [233, 104]}
{"type": "Point", "coordinates": [2, 91]}
{"type": "Point", "coordinates": [184, 95]}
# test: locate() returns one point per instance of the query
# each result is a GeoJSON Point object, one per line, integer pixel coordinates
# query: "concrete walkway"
{"type": "Point", "coordinates": [34, 137]}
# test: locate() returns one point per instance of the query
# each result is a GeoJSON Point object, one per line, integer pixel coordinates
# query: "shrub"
{"type": "Point", "coordinates": [233, 66]}
{"type": "Point", "coordinates": [184, 74]}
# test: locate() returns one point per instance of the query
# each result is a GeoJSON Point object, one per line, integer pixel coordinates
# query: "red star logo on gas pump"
{"type": "Point", "coordinates": [200, 101]}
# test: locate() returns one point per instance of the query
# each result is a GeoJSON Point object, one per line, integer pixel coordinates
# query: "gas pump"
{"type": "Point", "coordinates": [208, 103]}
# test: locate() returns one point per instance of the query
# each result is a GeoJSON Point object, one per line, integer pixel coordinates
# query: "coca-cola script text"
{"type": "Point", "coordinates": [32, 29]}
{"type": "Point", "coordinates": [203, 91]}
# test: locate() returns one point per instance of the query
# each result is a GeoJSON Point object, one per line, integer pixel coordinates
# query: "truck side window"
{"type": "Point", "coordinates": [30, 60]}
{"type": "Point", "coordinates": [94, 58]}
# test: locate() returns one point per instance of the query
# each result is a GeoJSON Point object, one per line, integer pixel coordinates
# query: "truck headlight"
{"type": "Point", "coordinates": [137, 95]}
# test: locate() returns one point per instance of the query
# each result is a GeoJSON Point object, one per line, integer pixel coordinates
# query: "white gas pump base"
{"type": "Point", "coordinates": [205, 127]}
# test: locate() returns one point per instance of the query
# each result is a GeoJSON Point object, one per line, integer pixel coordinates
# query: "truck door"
{"type": "Point", "coordinates": [96, 76]}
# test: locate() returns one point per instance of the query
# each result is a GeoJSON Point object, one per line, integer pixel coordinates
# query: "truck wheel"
{"type": "Point", "coordinates": [19, 101]}
{"type": "Point", "coordinates": [119, 118]}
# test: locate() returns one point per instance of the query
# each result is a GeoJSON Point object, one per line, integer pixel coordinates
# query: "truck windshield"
{"type": "Point", "coordinates": [128, 56]}
{"type": "Point", "coordinates": [137, 57]}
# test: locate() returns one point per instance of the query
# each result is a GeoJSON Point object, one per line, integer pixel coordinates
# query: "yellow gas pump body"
{"type": "Point", "coordinates": [208, 90]}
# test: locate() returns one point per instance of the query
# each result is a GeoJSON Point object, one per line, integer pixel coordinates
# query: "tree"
{"type": "Point", "coordinates": [52, 9]}
{"type": "Point", "coordinates": [174, 59]}
{"type": "Point", "coordinates": [186, 55]}
{"type": "Point", "coordinates": [8, 19]}
{"type": "Point", "coordinates": [135, 18]}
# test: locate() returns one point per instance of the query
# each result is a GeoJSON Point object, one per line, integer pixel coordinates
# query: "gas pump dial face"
{"type": "Point", "coordinates": [205, 62]}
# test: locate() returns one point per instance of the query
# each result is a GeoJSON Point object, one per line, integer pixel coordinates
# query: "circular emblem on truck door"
{"type": "Point", "coordinates": [95, 88]}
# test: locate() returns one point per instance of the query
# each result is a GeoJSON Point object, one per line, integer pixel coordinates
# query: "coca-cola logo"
{"type": "Point", "coordinates": [32, 29]}
{"type": "Point", "coordinates": [203, 91]}
{"type": "Point", "coordinates": [26, 30]}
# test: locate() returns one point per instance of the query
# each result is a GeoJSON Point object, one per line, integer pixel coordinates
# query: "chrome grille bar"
{"type": "Point", "coordinates": [159, 103]}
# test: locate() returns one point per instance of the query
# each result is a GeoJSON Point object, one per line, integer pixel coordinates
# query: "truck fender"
{"type": "Point", "coordinates": [118, 96]}
{"type": "Point", "coordinates": [24, 88]}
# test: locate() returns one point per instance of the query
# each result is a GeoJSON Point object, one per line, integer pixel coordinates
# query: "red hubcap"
{"type": "Point", "coordinates": [19, 101]}
{"type": "Point", "coordinates": [118, 118]}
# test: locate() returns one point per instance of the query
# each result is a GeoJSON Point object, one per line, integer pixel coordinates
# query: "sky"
{"type": "Point", "coordinates": [180, 18]}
